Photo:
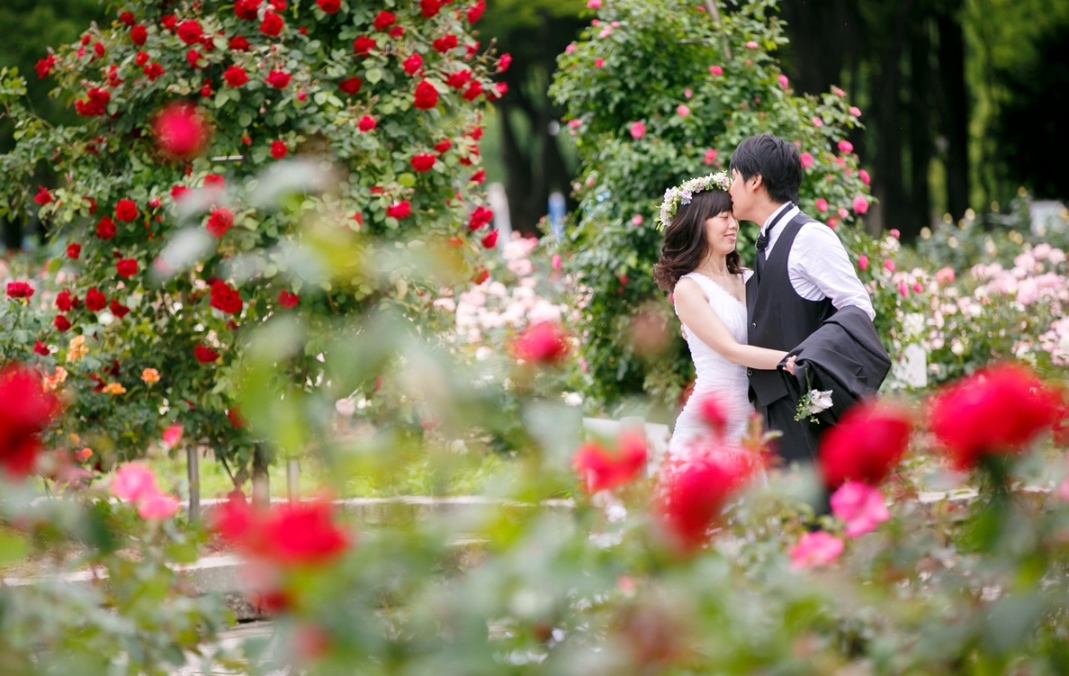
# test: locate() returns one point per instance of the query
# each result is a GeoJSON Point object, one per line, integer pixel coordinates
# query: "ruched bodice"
{"type": "Point", "coordinates": [714, 373]}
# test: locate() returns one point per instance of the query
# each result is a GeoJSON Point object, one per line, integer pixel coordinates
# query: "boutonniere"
{"type": "Point", "coordinates": [812, 403]}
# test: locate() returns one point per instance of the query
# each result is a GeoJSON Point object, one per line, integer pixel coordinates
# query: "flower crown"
{"type": "Point", "coordinates": [682, 194]}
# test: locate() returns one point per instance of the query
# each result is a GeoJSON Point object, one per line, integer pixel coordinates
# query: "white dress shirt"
{"type": "Point", "coordinates": [818, 265]}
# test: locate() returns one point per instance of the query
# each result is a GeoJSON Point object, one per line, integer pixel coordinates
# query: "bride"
{"type": "Point", "coordinates": [700, 266]}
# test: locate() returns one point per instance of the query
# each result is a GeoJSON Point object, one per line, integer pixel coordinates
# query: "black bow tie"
{"type": "Point", "coordinates": [762, 241]}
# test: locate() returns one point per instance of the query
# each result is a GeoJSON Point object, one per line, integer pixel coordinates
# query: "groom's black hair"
{"type": "Point", "coordinates": [775, 160]}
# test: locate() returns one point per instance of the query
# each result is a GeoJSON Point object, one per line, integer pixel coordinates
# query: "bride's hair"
{"type": "Point", "coordinates": [684, 240]}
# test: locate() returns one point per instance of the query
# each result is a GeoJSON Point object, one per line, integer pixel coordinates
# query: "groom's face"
{"type": "Point", "coordinates": [742, 197]}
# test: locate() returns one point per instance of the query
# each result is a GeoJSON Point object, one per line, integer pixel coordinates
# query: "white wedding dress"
{"type": "Point", "coordinates": [714, 374]}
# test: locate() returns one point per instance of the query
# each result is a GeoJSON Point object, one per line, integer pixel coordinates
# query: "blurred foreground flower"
{"type": "Point", "coordinates": [136, 483]}
{"type": "Point", "coordinates": [542, 343]}
{"type": "Point", "coordinates": [603, 470]}
{"type": "Point", "coordinates": [181, 131]}
{"type": "Point", "coordinates": [866, 445]}
{"type": "Point", "coordinates": [290, 535]}
{"type": "Point", "coordinates": [861, 507]}
{"type": "Point", "coordinates": [815, 549]}
{"type": "Point", "coordinates": [26, 409]}
{"type": "Point", "coordinates": [999, 409]}
{"type": "Point", "coordinates": [693, 491]}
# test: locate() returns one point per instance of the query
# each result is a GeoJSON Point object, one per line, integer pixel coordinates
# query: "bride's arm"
{"type": "Point", "coordinates": [693, 309]}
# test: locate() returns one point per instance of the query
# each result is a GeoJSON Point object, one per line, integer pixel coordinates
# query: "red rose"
{"type": "Point", "coordinates": [329, 6]}
{"type": "Point", "coordinates": [279, 149]}
{"type": "Point", "coordinates": [169, 21]}
{"type": "Point", "coordinates": [126, 210]}
{"type": "Point", "coordinates": [602, 469]}
{"type": "Point", "coordinates": [19, 290]}
{"type": "Point", "coordinates": [412, 64]}
{"type": "Point", "coordinates": [205, 355]}
{"type": "Point", "coordinates": [866, 444]}
{"type": "Point", "coordinates": [44, 66]}
{"type": "Point", "coordinates": [95, 103]}
{"type": "Point", "coordinates": [272, 25]}
{"type": "Point", "coordinates": [301, 534]}
{"type": "Point", "coordinates": [480, 217]}
{"type": "Point", "coordinates": [127, 18]}
{"type": "Point", "coordinates": [64, 301]}
{"type": "Point", "coordinates": [195, 59]}
{"type": "Point", "coordinates": [287, 299]}
{"type": "Point", "coordinates": [499, 90]}
{"type": "Point", "coordinates": [458, 79]}
{"type": "Point", "coordinates": [74, 251]}
{"type": "Point", "coordinates": [489, 241]}
{"type": "Point", "coordinates": [141, 58]}
{"type": "Point", "coordinates": [118, 310]}
{"type": "Point", "coordinates": [190, 32]}
{"type": "Point", "coordinates": [177, 192]}
{"type": "Point", "coordinates": [541, 343]}
{"type": "Point", "coordinates": [397, 31]}
{"type": "Point", "coordinates": [138, 35]}
{"type": "Point", "coordinates": [153, 71]}
{"type": "Point", "coordinates": [503, 62]}
{"type": "Point", "coordinates": [445, 43]}
{"type": "Point", "coordinates": [443, 145]}
{"type": "Point", "coordinates": [61, 323]}
{"type": "Point", "coordinates": [478, 177]}
{"type": "Point", "coordinates": [363, 45]}
{"type": "Point", "coordinates": [473, 91]}
{"type": "Point", "coordinates": [366, 123]}
{"type": "Point", "coordinates": [239, 43]}
{"type": "Point", "coordinates": [426, 96]}
{"type": "Point", "coordinates": [214, 180]}
{"type": "Point", "coordinates": [691, 495]}
{"type": "Point", "coordinates": [480, 275]}
{"type": "Point", "coordinates": [423, 161]}
{"type": "Point", "coordinates": [43, 196]}
{"type": "Point", "coordinates": [234, 416]}
{"type": "Point", "coordinates": [181, 132]}
{"type": "Point", "coordinates": [399, 210]}
{"type": "Point", "coordinates": [430, 8]}
{"type": "Point", "coordinates": [126, 267]}
{"type": "Point", "coordinates": [225, 298]}
{"type": "Point", "coordinates": [475, 133]}
{"type": "Point", "coordinates": [998, 409]}
{"type": "Point", "coordinates": [26, 411]}
{"type": "Point", "coordinates": [279, 79]}
{"type": "Point", "coordinates": [476, 11]}
{"type": "Point", "coordinates": [98, 49]}
{"type": "Point", "coordinates": [351, 85]}
{"type": "Point", "coordinates": [106, 228]}
{"type": "Point", "coordinates": [235, 76]}
{"type": "Point", "coordinates": [219, 222]}
{"type": "Point", "coordinates": [246, 9]}
{"type": "Point", "coordinates": [95, 300]}
{"type": "Point", "coordinates": [41, 349]}
{"type": "Point", "coordinates": [384, 20]}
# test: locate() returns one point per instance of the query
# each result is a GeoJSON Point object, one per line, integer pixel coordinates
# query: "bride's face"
{"type": "Point", "coordinates": [721, 231]}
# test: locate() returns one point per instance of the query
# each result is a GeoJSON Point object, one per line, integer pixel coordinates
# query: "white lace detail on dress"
{"type": "Point", "coordinates": [714, 374]}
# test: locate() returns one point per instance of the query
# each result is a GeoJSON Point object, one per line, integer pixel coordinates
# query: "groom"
{"type": "Point", "coordinates": [802, 277]}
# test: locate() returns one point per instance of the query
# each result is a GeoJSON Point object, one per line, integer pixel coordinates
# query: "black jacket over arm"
{"type": "Point", "coordinates": [845, 356]}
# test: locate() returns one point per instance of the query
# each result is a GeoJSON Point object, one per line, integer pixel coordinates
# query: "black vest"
{"type": "Point", "coordinates": [779, 318]}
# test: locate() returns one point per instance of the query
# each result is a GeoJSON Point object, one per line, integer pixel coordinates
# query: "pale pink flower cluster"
{"type": "Point", "coordinates": [486, 312]}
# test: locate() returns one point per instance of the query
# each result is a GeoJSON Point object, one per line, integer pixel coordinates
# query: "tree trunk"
{"type": "Point", "coordinates": [953, 108]}
{"type": "Point", "coordinates": [920, 134]}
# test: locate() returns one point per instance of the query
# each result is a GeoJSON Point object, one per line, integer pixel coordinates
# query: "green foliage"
{"type": "Point", "coordinates": [640, 64]}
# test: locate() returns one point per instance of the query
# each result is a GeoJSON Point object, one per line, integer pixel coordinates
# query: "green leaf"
{"type": "Point", "coordinates": [373, 75]}
{"type": "Point", "coordinates": [13, 547]}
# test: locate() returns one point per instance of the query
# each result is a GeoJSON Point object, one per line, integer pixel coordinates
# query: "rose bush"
{"type": "Point", "coordinates": [172, 231]}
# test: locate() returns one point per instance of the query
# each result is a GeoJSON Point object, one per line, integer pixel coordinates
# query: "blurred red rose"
{"type": "Point", "coordinates": [692, 493]}
{"type": "Point", "coordinates": [26, 409]}
{"type": "Point", "coordinates": [602, 469]}
{"type": "Point", "coordinates": [19, 290]}
{"type": "Point", "coordinates": [181, 131]}
{"type": "Point", "coordinates": [219, 221]}
{"type": "Point", "coordinates": [866, 445]}
{"type": "Point", "coordinates": [426, 96]}
{"type": "Point", "coordinates": [95, 300]}
{"type": "Point", "coordinates": [126, 210]}
{"type": "Point", "coordinates": [126, 267]}
{"type": "Point", "coordinates": [205, 355]}
{"type": "Point", "coordinates": [288, 299]}
{"type": "Point", "coordinates": [541, 343]}
{"type": "Point", "coordinates": [225, 298]}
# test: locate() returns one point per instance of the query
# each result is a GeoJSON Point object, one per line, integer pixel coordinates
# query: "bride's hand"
{"type": "Point", "coordinates": [789, 366]}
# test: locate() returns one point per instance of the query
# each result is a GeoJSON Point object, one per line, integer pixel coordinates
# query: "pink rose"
{"type": "Point", "coordinates": [157, 506]}
{"type": "Point", "coordinates": [815, 549]}
{"type": "Point", "coordinates": [593, 4]}
{"type": "Point", "coordinates": [598, 63]}
{"type": "Point", "coordinates": [861, 205]}
{"type": "Point", "coordinates": [889, 265]}
{"type": "Point", "coordinates": [845, 146]}
{"type": "Point", "coordinates": [807, 160]}
{"type": "Point", "coordinates": [945, 276]}
{"type": "Point", "coordinates": [783, 81]}
{"type": "Point", "coordinates": [817, 122]}
{"type": "Point", "coordinates": [638, 130]}
{"type": "Point", "coordinates": [822, 204]}
{"type": "Point", "coordinates": [860, 506]}
{"type": "Point", "coordinates": [918, 287]}
{"type": "Point", "coordinates": [636, 220]}
{"type": "Point", "coordinates": [864, 176]}
{"type": "Point", "coordinates": [895, 233]}
{"type": "Point", "coordinates": [556, 261]}
{"type": "Point", "coordinates": [687, 93]}
{"type": "Point", "coordinates": [710, 156]}
{"type": "Point", "coordinates": [682, 110]}
{"type": "Point", "coordinates": [863, 262]}
{"type": "Point", "coordinates": [903, 289]}
{"type": "Point", "coordinates": [843, 213]}
{"type": "Point", "coordinates": [133, 481]}
{"type": "Point", "coordinates": [172, 435]}
{"type": "Point", "coordinates": [751, 45]}
{"type": "Point", "coordinates": [855, 111]}
{"type": "Point", "coordinates": [716, 70]}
